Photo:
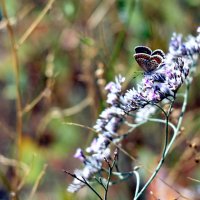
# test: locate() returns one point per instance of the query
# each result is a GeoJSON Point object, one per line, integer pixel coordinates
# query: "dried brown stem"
{"type": "Point", "coordinates": [35, 101]}
{"type": "Point", "coordinates": [17, 78]}
{"type": "Point", "coordinates": [58, 113]}
{"type": "Point", "coordinates": [27, 172]}
{"type": "Point", "coordinates": [14, 20]}
{"type": "Point", "coordinates": [193, 179]}
{"type": "Point", "coordinates": [37, 182]}
{"type": "Point", "coordinates": [49, 85]}
{"type": "Point", "coordinates": [99, 13]}
{"type": "Point", "coordinates": [35, 23]}
{"type": "Point", "coordinates": [14, 163]}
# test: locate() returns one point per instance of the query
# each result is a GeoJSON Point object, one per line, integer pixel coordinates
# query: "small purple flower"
{"type": "Point", "coordinates": [144, 113]}
{"type": "Point", "coordinates": [115, 87]}
{"type": "Point", "coordinates": [79, 154]}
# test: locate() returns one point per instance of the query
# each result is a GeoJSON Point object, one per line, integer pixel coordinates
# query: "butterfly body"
{"type": "Point", "coordinates": [147, 59]}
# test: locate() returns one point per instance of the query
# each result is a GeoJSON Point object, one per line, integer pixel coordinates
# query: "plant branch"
{"type": "Point", "coordinates": [38, 180]}
{"type": "Point", "coordinates": [35, 23]}
{"type": "Point", "coordinates": [83, 181]}
{"type": "Point", "coordinates": [17, 79]}
{"type": "Point", "coordinates": [164, 154]}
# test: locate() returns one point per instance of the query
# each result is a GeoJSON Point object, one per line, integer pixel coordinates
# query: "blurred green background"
{"type": "Point", "coordinates": [78, 46]}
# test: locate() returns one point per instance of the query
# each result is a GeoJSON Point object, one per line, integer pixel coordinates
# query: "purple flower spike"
{"type": "Point", "coordinates": [79, 154]}
{"type": "Point", "coordinates": [156, 85]}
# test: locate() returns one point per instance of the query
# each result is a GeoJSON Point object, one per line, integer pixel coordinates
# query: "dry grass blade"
{"type": "Point", "coordinates": [37, 182]}
{"type": "Point", "coordinates": [23, 180]}
{"type": "Point", "coordinates": [121, 149]}
{"type": "Point", "coordinates": [17, 79]}
{"type": "Point", "coordinates": [14, 20]}
{"type": "Point", "coordinates": [35, 101]}
{"type": "Point", "coordinates": [35, 23]}
{"type": "Point", "coordinates": [99, 13]}
{"type": "Point", "coordinates": [193, 179]}
{"type": "Point", "coordinates": [14, 163]}
{"type": "Point", "coordinates": [58, 113]}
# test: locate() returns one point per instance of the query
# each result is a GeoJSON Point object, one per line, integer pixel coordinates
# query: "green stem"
{"type": "Point", "coordinates": [137, 182]}
{"type": "Point", "coordinates": [134, 126]}
{"type": "Point", "coordinates": [180, 119]}
{"type": "Point", "coordinates": [106, 188]}
{"type": "Point", "coordinates": [162, 121]}
{"type": "Point", "coordinates": [91, 187]}
{"type": "Point", "coordinates": [166, 147]}
{"type": "Point", "coordinates": [83, 180]}
{"type": "Point", "coordinates": [109, 178]}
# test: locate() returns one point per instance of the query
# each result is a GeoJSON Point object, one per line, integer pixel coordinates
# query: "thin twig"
{"type": "Point", "coordinates": [167, 147]}
{"type": "Point", "coordinates": [83, 180]}
{"type": "Point", "coordinates": [180, 118]}
{"type": "Point", "coordinates": [35, 101]}
{"type": "Point", "coordinates": [37, 182]}
{"type": "Point", "coordinates": [17, 78]}
{"type": "Point", "coordinates": [137, 195]}
{"type": "Point", "coordinates": [162, 121]}
{"type": "Point", "coordinates": [91, 129]}
{"type": "Point", "coordinates": [99, 13]}
{"type": "Point", "coordinates": [49, 85]}
{"type": "Point", "coordinates": [21, 184]}
{"type": "Point", "coordinates": [35, 23]}
{"type": "Point", "coordinates": [109, 175]}
{"type": "Point", "coordinates": [58, 113]}
{"type": "Point", "coordinates": [137, 176]}
{"type": "Point", "coordinates": [193, 179]}
{"type": "Point", "coordinates": [14, 20]}
{"type": "Point", "coordinates": [14, 163]}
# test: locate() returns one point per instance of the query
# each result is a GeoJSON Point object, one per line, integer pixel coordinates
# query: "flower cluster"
{"type": "Point", "coordinates": [144, 113]}
{"type": "Point", "coordinates": [155, 86]}
{"type": "Point", "coordinates": [108, 124]}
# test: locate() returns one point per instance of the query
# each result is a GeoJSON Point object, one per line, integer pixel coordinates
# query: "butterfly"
{"type": "Point", "coordinates": [147, 59]}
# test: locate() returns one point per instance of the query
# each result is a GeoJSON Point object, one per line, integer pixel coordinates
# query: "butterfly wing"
{"type": "Point", "coordinates": [143, 60]}
{"type": "Point", "coordinates": [154, 62]}
{"type": "Point", "coordinates": [158, 52]}
{"type": "Point", "coordinates": [143, 49]}
{"type": "Point", "coordinates": [158, 59]}
{"type": "Point", "coordinates": [147, 59]}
